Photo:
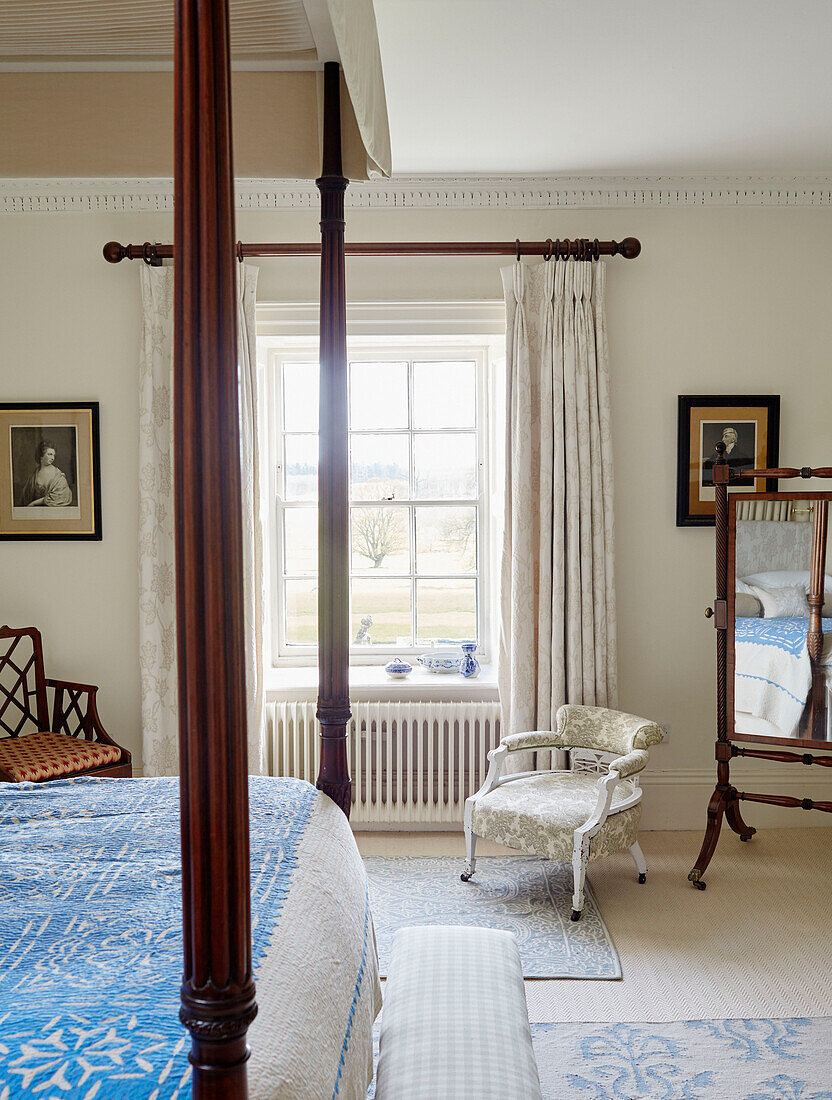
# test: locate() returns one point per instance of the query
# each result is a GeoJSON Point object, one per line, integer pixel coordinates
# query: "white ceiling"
{"type": "Point", "coordinates": [608, 86]}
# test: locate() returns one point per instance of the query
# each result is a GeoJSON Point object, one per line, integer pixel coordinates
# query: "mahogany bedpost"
{"type": "Point", "coordinates": [333, 468]}
{"type": "Point", "coordinates": [217, 989]}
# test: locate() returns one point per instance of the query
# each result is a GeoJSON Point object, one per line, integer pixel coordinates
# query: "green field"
{"type": "Point", "coordinates": [445, 609]}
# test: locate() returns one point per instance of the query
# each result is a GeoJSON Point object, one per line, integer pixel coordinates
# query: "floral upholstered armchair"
{"type": "Point", "coordinates": [590, 809]}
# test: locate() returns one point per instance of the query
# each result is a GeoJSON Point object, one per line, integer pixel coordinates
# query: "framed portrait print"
{"type": "Point", "coordinates": [748, 425]}
{"type": "Point", "coordinates": [50, 479]}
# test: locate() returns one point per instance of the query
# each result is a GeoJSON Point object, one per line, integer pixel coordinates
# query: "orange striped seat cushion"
{"type": "Point", "coordinates": [36, 756]}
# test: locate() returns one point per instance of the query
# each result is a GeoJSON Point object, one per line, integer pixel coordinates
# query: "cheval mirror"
{"type": "Point", "coordinates": [773, 617]}
{"type": "Point", "coordinates": [779, 646]}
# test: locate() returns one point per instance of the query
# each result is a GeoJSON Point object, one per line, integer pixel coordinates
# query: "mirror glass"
{"type": "Point", "coordinates": [782, 668]}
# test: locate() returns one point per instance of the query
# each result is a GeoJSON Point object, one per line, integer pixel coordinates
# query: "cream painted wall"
{"type": "Point", "coordinates": [721, 300]}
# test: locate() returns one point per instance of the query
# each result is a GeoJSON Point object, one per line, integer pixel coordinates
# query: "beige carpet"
{"type": "Point", "coordinates": [756, 943]}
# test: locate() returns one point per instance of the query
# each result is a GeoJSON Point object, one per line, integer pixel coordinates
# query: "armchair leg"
{"type": "Point", "coordinates": [640, 861]}
{"type": "Point", "coordinates": [580, 856]}
{"type": "Point", "coordinates": [470, 849]}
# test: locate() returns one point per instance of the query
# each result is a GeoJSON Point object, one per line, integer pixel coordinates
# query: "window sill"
{"type": "Point", "coordinates": [372, 682]}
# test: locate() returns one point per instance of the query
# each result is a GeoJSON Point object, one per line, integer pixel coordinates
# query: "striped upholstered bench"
{"type": "Point", "coordinates": [454, 1024]}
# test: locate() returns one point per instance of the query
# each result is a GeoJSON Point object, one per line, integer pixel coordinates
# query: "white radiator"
{"type": "Point", "coordinates": [411, 763]}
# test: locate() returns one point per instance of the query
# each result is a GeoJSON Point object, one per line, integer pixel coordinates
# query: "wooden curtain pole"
{"type": "Point", "coordinates": [333, 466]}
{"type": "Point", "coordinates": [629, 248]}
{"type": "Point", "coordinates": [217, 989]}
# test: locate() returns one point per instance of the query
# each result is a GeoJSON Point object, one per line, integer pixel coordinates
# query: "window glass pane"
{"type": "Point", "coordinates": [300, 527]}
{"type": "Point", "coordinates": [301, 611]}
{"type": "Point", "coordinates": [378, 395]}
{"type": "Point", "coordinates": [301, 467]}
{"type": "Point", "coordinates": [445, 465]}
{"type": "Point", "coordinates": [380, 611]}
{"type": "Point", "coordinates": [444, 395]}
{"type": "Point", "coordinates": [446, 540]}
{"type": "Point", "coordinates": [380, 539]}
{"type": "Point", "coordinates": [446, 610]}
{"type": "Point", "coordinates": [380, 467]}
{"type": "Point", "coordinates": [300, 397]}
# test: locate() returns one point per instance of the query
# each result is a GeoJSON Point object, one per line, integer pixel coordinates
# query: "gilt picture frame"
{"type": "Point", "coordinates": [748, 424]}
{"type": "Point", "coordinates": [50, 474]}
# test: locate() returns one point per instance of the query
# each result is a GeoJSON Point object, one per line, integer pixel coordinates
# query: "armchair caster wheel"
{"type": "Point", "coordinates": [465, 876]}
{"type": "Point", "coordinates": [746, 836]}
{"type": "Point", "coordinates": [576, 914]}
{"type": "Point", "coordinates": [701, 885]}
{"type": "Point", "coordinates": [642, 878]}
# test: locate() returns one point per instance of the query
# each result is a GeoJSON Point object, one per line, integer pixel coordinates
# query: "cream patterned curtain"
{"type": "Point", "coordinates": [157, 563]}
{"type": "Point", "coordinates": [557, 628]}
{"type": "Point", "coordinates": [764, 509]}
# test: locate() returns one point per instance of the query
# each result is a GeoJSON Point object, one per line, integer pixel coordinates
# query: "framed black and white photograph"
{"type": "Point", "coordinates": [748, 425]}
{"type": "Point", "coordinates": [50, 483]}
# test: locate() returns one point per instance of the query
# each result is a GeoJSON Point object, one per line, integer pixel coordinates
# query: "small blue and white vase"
{"type": "Point", "coordinates": [469, 666]}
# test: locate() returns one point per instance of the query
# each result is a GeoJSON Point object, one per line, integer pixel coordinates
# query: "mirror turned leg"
{"type": "Point", "coordinates": [735, 819]}
{"type": "Point", "coordinates": [716, 810]}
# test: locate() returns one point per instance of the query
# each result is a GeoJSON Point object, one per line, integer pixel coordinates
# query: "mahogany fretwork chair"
{"type": "Point", "coordinates": [35, 748]}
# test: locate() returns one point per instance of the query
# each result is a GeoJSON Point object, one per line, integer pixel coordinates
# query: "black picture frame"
{"type": "Point", "coordinates": [754, 420]}
{"type": "Point", "coordinates": [71, 430]}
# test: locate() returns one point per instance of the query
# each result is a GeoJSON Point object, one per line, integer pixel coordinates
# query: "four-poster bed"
{"type": "Point", "coordinates": [791, 633]}
{"type": "Point", "coordinates": [217, 994]}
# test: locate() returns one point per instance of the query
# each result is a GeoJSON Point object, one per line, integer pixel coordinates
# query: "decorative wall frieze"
{"type": "Point", "coordinates": [44, 196]}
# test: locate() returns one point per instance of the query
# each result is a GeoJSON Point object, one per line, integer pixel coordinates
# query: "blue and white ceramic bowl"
{"type": "Point", "coordinates": [441, 660]}
{"type": "Point", "coordinates": [398, 670]}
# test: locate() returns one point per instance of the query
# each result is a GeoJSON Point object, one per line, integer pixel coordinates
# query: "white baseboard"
{"type": "Point", "coordinates": [679, 800]}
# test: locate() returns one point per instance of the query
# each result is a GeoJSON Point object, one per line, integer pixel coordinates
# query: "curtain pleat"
{"type": "Point", "coordinates": [157, 561]}
{"type": "Point", "coordinates": [558, 629]}
{"type": "Point", "coordinates": [253, 579]}
{"type": "Point", "coordinates": [765, 510]}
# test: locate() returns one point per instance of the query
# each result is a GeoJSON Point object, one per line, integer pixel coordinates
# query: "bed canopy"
{"type": "Point", "coordinates": [87, 87]}
{"type": "Point", "coordinates": [87, 90]}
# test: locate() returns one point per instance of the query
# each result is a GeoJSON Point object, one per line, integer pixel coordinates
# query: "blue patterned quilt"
{"type": "Point", "coordinates": [786, 634]}
{"type": "Point", "coordinates": [90, 930]}
{"type": "Point", "coordinates": [773, 673]}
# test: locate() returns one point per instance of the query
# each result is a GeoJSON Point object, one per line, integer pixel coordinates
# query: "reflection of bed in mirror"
{"type": "Point", "coordinates": [773, 667]}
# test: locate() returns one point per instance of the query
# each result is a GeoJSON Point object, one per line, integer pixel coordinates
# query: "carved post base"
{"type": "Point", "coordinates": [219, 1051]}
{"type": "Point", "coordinates": [334, 773]}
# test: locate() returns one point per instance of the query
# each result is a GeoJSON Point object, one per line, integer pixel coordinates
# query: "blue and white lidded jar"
{"type": "Point", "coordinates": [397, 669]}
{"type": "Point", "coordinates": [469, 666]}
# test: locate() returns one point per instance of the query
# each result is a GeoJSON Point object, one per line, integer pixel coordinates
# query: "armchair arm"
{"type": "Point", "coordinates": [538, 739]}
{"type": "Point", "coordinates": [74, 711]}
{"type": "Point", "coordinates": [630, 764]}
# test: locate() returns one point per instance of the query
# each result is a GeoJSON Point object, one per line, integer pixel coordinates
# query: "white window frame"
{"type": "Point", "coordinates": [276, 345]}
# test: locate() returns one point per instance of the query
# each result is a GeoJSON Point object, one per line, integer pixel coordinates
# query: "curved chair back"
{"type": "Point", "coordinates": [23, 703]}
{"type": "Point", "coordinates": [605, 730]}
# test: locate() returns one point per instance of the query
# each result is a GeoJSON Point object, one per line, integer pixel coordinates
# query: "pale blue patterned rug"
{"type": "Point", "coordinates": [530, 897]}
{"type": "Point", "coordinates": [693, 1060]}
